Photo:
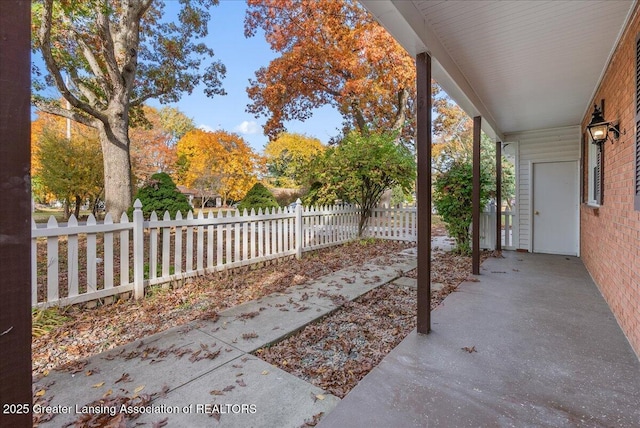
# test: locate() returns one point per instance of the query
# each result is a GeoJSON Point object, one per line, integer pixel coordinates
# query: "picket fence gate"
{"type": "Point", "coordinates": [80, 263]}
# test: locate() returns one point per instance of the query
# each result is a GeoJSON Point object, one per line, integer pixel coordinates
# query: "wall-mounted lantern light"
{"type": "Point", "coordinates": [599, 128]}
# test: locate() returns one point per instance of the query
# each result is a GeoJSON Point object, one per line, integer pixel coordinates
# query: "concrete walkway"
{"type": "Point", "coordinates": [533, 344]}
{"type": "Point", "coordinates": [203, 374]}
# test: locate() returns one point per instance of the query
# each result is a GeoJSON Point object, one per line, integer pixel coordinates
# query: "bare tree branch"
{"type": "Point", "coordinates": [127, 40]}
{"type": "Point", "coordinates": [144, 97]}
{"type": "Point", "coordinates": [401, 114]}
{"type": "Point", "coordinates": [86, 52]}
{"type": "Point", "coordinates": [52, 67]}
{"type": "Point", "coordinates": [82, 87]}
{"type": "Point", "coordinates": [357, 112]}
{"type": "Point", "coordinates": [108, 49]}
{"type": "Point", "coordinates": [69, 114]}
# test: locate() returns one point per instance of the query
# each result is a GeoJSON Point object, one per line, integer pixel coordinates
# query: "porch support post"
{"type": "Point", "coordinates": [498, 195]}
{"type": "Point", "coordinates": [423, 147]}
{"type": "Point", "coordinates": [475, 198]}
{"type": "Point", "coordinates": [15, 214]}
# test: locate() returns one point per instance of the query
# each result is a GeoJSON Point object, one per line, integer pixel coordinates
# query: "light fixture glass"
{"type": "Point", "coordinates": [598, 127]}
{"type": "Point", "coordinates": [599, 132]}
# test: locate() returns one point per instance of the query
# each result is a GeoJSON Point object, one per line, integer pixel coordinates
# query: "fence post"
{"type": "Point", "coordinates": [298, 227]}
{"type": "Point", "coordinates": [138, 250]}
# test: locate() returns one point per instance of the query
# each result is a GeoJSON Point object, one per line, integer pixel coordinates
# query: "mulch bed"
{"type": "Point", "coordinates": [336, 352]}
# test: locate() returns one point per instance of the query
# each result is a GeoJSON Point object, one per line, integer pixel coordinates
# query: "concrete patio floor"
{"type": "Point", "coordinates": [545, 351]}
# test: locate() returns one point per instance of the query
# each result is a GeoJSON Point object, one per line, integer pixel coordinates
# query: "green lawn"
{"type": "Point", "coordinates": [42, 215]}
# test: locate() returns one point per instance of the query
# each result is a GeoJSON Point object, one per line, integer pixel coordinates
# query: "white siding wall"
{"type": "Point", "coordinates": [557, 144]}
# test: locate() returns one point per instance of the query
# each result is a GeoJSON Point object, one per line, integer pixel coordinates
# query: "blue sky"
{"type": "Point", "coordinates": [242, 57]}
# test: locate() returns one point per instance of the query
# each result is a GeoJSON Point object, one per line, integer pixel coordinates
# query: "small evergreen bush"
{"type": "Point", "coordinates": [160, 194]}
{"type": "Point", "coordinates": [258, 197]}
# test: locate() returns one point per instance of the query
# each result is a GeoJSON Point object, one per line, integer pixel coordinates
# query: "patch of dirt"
{"type": "Point", "coordinates": [336, 352]}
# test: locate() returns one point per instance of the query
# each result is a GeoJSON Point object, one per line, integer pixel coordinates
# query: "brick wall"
{"type": "Point", "coordinates": [610, 234]}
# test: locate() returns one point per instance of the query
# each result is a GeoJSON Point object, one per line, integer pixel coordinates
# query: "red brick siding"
{"type": "Point", "coordinates": [610, 235]}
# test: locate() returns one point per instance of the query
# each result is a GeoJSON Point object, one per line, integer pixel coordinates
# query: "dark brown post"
{"type": "Point", "coordinates": [423, 147]}
{"type": "Point", "coordinates": [475, 198]}
{"type": "Point", "coordinates": [499, 196]}
{"type": "Point", "coordinates": [15, 214]}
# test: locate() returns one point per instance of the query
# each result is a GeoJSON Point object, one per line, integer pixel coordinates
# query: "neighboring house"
{"type": "Point", "coordinates": [195, 197]}
{"type": "Point", "coordinates": [530, 73]}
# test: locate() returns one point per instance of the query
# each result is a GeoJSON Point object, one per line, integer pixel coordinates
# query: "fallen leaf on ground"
{"type": "Point", "coordinates": [337, 351]}
{"type": "Point", "coordinates": [161, 423]}
{"type": "Point", "coordinates": [124, 378]}
{"type": "Point", "coordinates": [313, 421]}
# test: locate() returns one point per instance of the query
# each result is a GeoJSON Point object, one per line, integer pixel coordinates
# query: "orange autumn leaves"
{"type": "Point", "coordinates": [331, 52]}
{"type": "Point", "coordinates": [217, 162]}
{"type": "Point", "coordinates": [153, 143]}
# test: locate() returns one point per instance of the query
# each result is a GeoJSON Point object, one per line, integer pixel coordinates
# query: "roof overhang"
{"type": "Point", "coordinates": [521, 65]}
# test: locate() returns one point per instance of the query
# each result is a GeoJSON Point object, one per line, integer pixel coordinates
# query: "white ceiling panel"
{"type": "Point", "coordinates": [523, 65]}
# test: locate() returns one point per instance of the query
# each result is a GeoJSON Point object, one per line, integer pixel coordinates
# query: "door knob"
{"type": "Point", "coordinates": [537, 212]}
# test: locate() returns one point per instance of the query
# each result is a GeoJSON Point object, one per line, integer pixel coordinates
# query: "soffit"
{"type": "Point", "coordinates": [522, 65]}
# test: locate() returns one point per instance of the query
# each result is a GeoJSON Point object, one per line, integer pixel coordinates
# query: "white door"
{"type": "Point", "coordinates": [555, 208]}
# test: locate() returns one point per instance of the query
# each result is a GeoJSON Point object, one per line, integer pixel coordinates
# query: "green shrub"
{"type": "Point", "coordinates": [160, 194]}
{"type": "Point", "coordinates": [359, 170]}
{"type": "Point", "coordinates": [452, 199]}
{"type": "Point", "coordinates": [258, 197]}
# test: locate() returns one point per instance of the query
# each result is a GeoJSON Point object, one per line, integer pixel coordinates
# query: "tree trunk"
{"type": "Point", "coordinates": [76, 211]}
{"type": "Point", "coordinates": [117, 168]}
{"type": "Point", "coordinates": [65, 207]}
{"type": "Point", "coordinates": [365, 214]}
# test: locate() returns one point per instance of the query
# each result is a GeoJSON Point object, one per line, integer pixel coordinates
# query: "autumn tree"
{"type": "Point", "coordinates": [115, 55]}
{"type": "Point", "coordinates": [153, 144]}
{"type": "Point", "coordinates": [288, 158]}
{"type": "Point", "coordinates": [335, 53]}
{"type": "Point", "coordinates": [217, 163]}
{"type": "Point", "coordinates": [360, 169]}
{"type": "Point", "coordinates": [453, 143]}
{"type": "Point", "coordinates": [52, 124]}
{"type": "Point", "coordinates": [70, 169]}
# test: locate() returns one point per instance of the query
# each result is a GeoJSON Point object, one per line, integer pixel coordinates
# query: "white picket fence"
{"type": "Point", "coordinates": [127, 256]}
{"type": "Point", "coordinates": [488, 229]}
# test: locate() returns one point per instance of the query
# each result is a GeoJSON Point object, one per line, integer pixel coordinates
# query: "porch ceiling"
{"type": "Point", "coordinates": [522, 65]}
